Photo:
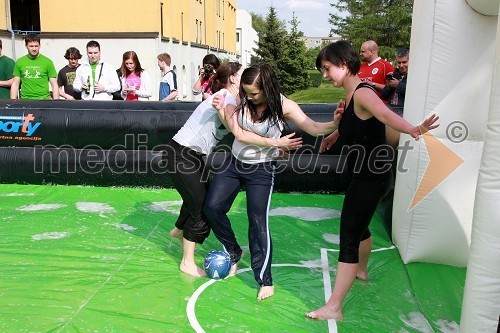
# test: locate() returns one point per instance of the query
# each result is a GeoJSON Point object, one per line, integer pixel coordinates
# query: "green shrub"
{"type": "Point", "coordinates": [315, 78]}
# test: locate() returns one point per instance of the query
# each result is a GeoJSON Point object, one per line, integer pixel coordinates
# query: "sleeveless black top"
{"type": "Point", "coordinates": [368, 154]}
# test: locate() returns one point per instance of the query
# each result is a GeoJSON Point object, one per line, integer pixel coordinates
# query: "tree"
{"type": "Point", "coordinates": [292, 63]}
{"type": "Point", "coordinates": [387, 22]}
{"type": "Point", "coordinates": [258, 23]}
{"type": "Point", "coordinates": [271, 39]}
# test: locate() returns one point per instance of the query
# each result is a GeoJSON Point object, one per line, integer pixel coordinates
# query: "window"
{"type": "Point", "coordinates": [201, 33]}
{"type": "Point", "coordinates": [25, 15]}
{"type": "Point", "coordinates": [161, 19]}
{"type": "Point", "coordinates": [197, 35]}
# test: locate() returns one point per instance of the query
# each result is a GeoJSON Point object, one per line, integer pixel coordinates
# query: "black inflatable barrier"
{"type": "Point", "coordinates": [146, 168]}
{"type": "Point", "coordinates": [108, 124]}
{"type": "Point", "coordinates": [118, 143]}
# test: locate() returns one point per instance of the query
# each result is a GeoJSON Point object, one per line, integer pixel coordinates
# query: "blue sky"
{"type": "Point", "coordinates": [312, 14]}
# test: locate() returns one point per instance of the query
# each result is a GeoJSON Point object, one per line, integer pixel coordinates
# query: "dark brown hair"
{"type": "Point", "coordinates": [221, 78]}
{"type": "Point", "coordinates": [131, 55]}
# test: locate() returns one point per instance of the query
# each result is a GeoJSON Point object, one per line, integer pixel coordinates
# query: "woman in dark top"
{"type": "Point", "coordinates": [369, 159]}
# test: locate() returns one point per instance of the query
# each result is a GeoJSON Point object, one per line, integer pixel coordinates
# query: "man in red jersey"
{"type": "Point", "coordinates": [373, 68]}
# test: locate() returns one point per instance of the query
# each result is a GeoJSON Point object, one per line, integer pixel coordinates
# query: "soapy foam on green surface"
{"type": "Point", "coordinates": [88, 259]}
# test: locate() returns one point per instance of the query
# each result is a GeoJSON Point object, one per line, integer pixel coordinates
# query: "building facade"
{"type": "Point", "coordinates": [246, 37]}
{"type": "Point", "coordinates": [187, 30]}
{"type": "Point", "coordinates": [318, 41]}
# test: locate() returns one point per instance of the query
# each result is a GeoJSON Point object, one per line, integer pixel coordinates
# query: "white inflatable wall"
{"type": "Point", "coordinates": [481, 303]}
{"type": "Point", "coordinates": [451, 72]}
{"type": "Point", "coordinates": [443, 211]}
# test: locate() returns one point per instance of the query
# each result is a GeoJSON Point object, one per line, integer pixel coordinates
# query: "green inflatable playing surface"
{"type": "Point", "coordinates": [95, 259]}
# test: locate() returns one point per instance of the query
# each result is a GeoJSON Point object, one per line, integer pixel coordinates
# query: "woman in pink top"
{"type": "Point", "coordinates": [136, 83]}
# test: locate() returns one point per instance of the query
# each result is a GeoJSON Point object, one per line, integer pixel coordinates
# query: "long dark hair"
{"type": "Point", "coordinates": [131, 55]}
{"type": "Point", "coordinates": [221, 77]}
{"type": "Point", "coordinates": [263, 77]}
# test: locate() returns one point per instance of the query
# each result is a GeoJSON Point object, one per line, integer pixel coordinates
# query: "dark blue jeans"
{"type": "Point", "coordinates": [258, 180]}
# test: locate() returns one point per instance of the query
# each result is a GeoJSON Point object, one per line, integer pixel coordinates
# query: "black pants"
{"type": "Point", "coordinates": [258, 180]}
{"type": "Point", "coordinates": [360, 202]}
{"type": "Point", "coordinates": [185, 167]}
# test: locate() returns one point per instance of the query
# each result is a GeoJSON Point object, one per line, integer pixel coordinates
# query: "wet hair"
{"type": "Point", "coordinates": [31, 38]}
{"type": "Point", "coordinates": [165, 57]}
{"type": "Point", "coordinates": [340, 53]}
{"type": "Point", "coordinates": [403, 52]}
{"type": "Point", "coordinates": [221, 78]}
{"type": "Point", "coordinates": [94, 43]}
{"type": "Point", "coordinates": [131, 55]}
{"type": "Point", "coordinates": [211, 59]}
{"type": "Point", "coordinates": [263, 77]}
{"type": "Point", "coordinates": [72, 52]}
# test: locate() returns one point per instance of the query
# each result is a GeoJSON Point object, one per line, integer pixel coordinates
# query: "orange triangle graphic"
{"type": "Point", "coordinates": [442, 162]}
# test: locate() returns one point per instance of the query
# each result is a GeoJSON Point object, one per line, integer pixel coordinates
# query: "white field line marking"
{"type": "Point", "coordinates": [327, 283]}
{"type": "Point", "coordinates": [108, 279]}
{"type": "Point", "coordinates": [332, 324]}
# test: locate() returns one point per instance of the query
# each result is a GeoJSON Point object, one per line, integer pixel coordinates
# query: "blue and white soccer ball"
{"type": "Point", "coordinates": [217, 264]}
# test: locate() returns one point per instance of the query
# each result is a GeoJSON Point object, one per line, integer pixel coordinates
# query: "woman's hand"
{"type": "Point", "coordinates": [328, 141]}
{"type": "Point", "coordinates": [218, 101]}
{"type": "Point", "coordinates": [337, 114]}
{"type": "Point", "coordinates": [288, 142]}
{"type": "Point", "coordinates": [426, 126]}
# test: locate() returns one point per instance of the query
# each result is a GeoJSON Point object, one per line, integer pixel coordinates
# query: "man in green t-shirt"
{"type": "Point", "coordinates": [32, 72]}
{"type": "Point", "coordinates": [6, 69]}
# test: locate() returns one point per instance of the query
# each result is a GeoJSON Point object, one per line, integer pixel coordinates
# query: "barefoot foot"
{"type": "Point", "coordinates": [192, 270]}
{"type": "Point", "coordinates": [324, 313]}
{"type": "Point", "coordinates": [265, 292]}
{"type": "Point", "coordinates": [234, 267]}
{"type": "Point", "coordinates": [176, 233]}
{"type": "Point", "coordinates": [362, 275]}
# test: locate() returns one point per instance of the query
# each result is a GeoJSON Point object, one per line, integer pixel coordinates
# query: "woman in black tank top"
{"type": "Point", "coordinates": [369, 159]}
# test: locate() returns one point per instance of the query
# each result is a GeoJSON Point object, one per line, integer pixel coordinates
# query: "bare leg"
{"type": "Point", "coordinates": [176, 232]}
{"type": "Point", "coordinates": [346, 273]}
{"type": "Point", "coordinates": [365, 248]}
{"type": "Point", "coordinates": [188, 265]}
{"type": "Point", "coordinates": [265, 292]}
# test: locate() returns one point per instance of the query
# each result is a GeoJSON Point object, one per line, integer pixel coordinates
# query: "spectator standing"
{"type": "Point", "coordinates": [6, 77]}
{"type": "Point", "coordinates": [96, 79]}
{"type": "Point", "coordinates": [135, 82]}
{"type": "Point", "coordinates": [168, 83]}
{"type": "Point", "coordinates": [395, 88]}
{"type": "Point", "coordinates": [373, 68]}
{"type": "Point", "coordinates": [395, 92]}
{"type": "Point", "coordinates": [67, 74]}
{"type": "Point", "coordinates": [32, 72]}
{"type": "Point", "coordinates": [203, 85]}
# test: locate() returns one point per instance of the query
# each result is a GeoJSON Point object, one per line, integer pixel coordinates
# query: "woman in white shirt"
{"type": "Point", "coordinates": [185, 164]}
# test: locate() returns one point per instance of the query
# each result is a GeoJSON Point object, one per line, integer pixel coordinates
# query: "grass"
{"type": "Point", "coordinates": [325, 93]}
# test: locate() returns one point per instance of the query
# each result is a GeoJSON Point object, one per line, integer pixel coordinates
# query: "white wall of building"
{"type": "Point", "coordinates": [186, 59]}
{"type": "Point", "coordinates": [247, 38]}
